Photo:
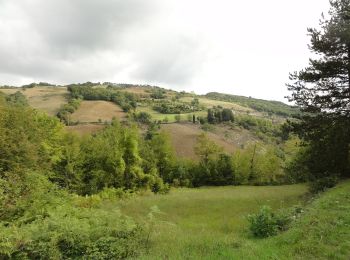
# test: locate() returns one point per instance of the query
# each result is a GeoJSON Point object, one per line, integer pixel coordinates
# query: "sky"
{"type": "Point", "coordinates": [238, 47]}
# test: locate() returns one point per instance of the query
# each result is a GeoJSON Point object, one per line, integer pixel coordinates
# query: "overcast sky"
{"type": "Point", "coordinates": [245, 47]}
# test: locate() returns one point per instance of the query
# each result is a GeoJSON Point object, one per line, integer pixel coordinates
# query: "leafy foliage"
{"type": "Point", "coordinates": [266, 223]}
{"type": "Point", "coordinates": [126, 100]}
{"type": "Point", "coordinates": [322, 90]}
{"type": "Point", "coordinates": [17, 98]}
{"type": "Point", "coordinates": [169, 107]}
{"type": "Point", "coordinates": [39, 221]}
{"type": "Point", "coordinates": [218, 115]}
{"type": "Point", "coordinates": [67, 109]}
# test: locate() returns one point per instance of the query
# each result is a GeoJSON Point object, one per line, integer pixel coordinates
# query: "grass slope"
{"type": "Point", "coordinates": [184, 138]}
{"type": "Point", "coordinates": [322, 233]}
{"type": "Point", "coordinates": [48, 99]}
{"type": "Point", "coordinates": [210, 223]}
{"type": "Point", "coordinates": [93, 111]}
{"type": "Point", "coordinates": [206, 222]}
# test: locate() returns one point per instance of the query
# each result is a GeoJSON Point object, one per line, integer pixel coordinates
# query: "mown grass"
{"type": "Point", "coordinates": [205, 223]}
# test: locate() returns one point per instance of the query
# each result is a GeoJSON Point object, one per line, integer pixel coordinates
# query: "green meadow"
{"type": "Point", "coordinates": [206, 222]}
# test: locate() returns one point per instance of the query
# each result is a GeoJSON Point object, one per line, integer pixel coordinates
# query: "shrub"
{"type": "Point", "coordinates": [44, 222]}
{"type": "Point", "coordinates": [159, 187]}
{"type": "Point", "coordinates": [322, 184]}
{"type": "Point", "coordinates": [143, 117]}
{"type": "Point", "coordinates": [266, 223]}
{"type": "Point", "coordinates": [263, 223]}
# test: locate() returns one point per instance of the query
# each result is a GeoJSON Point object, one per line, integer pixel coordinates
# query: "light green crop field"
{"type": "Point", "coordinates": [205, 223]}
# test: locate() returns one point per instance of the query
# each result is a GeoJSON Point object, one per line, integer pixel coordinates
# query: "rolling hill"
{"type": "Point", "coordinates": [255, 119]}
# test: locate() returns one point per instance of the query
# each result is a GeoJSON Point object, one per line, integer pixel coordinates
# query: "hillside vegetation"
{"type": "Point", "coordinates": [271, 107]}
{"type": "Point", "coordinates": [45, 98]}
{"type": "Point", "coordinates": [206, 223]}
{"type": "Point", "coordinates": [86, 108]}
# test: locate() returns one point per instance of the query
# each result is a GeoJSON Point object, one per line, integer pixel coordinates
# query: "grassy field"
{"type": "Point", "coordinates": [48, 99]}
{"type": "Point", "coordinates": [94, 111]}
{"type": "Point", "coordinates": [322, 233]}
{"type": "Point", "coordinates": [184, 138]}
{"type": "Point", "coordinates": [205, 223]}
{"type": "Point", "coordinates": [210, 223]}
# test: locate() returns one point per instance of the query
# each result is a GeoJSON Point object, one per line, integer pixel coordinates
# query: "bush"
{"type": "Point", "coordinates": [143, 117]}
{"type": "Point", "coordinates": [263, 223]}
{"type": "Point", "coordinates": [266, 223]}
{"type": "Point", "coordinates": [323, 184]}
{"type": "Point", "coordinates": [44, 222]}
{"type": "Point", "coordinates": [159, 187]}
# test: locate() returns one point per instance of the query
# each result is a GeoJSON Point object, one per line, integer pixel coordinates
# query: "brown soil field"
{"type": "Point", "coordinates": [93, 111]}
{"type": "Point", "coordinates": [48, 99]}
{"type": "Point", "coordinates": [84, 129]}
{"type": "Point", "coordinates": [184, 138]}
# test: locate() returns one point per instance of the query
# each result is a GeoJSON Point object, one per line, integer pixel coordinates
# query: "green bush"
{"type": "Point", "coordinates": [263, 224]}
{"type": "Point", "coordinates": [41, 221]}
{"type": "Point", "coordinates": [323, 184]}
{"type": "Point", "coordinates": [266, 223]}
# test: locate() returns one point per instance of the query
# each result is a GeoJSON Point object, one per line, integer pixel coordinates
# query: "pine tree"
{"type": "Point", "coordinates": [322, 90]}
{"type": "Point", "coordinates": [324, 86]}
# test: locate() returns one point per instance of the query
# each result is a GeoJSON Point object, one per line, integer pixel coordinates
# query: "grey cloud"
{"type": "Point", "coordinates": [79, 25]}
{"type": "Point", "coordinates": [63, 40]}
{"type": "Point", "coordinates": [174, 59]}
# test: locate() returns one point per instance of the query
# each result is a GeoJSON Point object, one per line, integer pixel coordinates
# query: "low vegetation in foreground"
{"type": "Point", "coordinates": [212, 223]}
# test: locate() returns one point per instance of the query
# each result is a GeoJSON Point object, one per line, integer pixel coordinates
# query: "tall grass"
{"type": "Point", "coordinates": [205, 222]}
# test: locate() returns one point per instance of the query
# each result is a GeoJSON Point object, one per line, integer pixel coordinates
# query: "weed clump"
{"type": "Point", "coordinates": [266, 223]}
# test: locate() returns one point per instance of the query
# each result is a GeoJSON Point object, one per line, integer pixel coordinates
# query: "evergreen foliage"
{"type": "Point", "coordinates": [322, 90]}
{"type": "Point", "coordinates": [217, 115]}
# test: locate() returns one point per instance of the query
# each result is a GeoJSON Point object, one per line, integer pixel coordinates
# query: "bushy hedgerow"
{"type": "Point", "coordinates": [127, 101]}
{"type": "Point", "coordinates": [67, 109]}
{"type": "Point", "coordinates": [169, 107]}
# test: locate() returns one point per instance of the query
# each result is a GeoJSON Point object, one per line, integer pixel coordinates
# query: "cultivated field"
{"type": "Point", "coordinates": [48, 99]}
{"type": "Point", "coordinates": [184, 138]}
{"type": "Point", "coordinates": [95, 111]}
{"type": "Point", "coordinates": [205, 223]}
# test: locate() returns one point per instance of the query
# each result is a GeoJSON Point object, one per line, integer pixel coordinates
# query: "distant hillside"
{"type": "Point", "coordinates": [88, 107]}
{"type": "Point", "coordinates": [273, 107]}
